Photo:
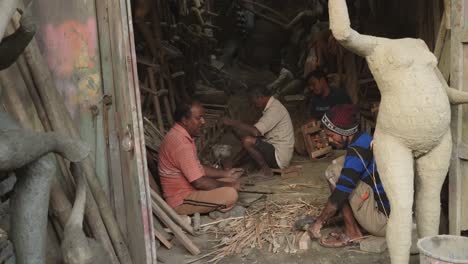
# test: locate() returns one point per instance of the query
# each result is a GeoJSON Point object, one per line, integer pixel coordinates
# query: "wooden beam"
{"type": "Point", "coordinates": [455, 175]}
{"type": "Point", "coordinates": [440, 41]}
{"type": "Point", "coordinates": [179, 234]}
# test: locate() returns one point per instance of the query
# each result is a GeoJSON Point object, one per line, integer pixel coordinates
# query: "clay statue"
{"type": "Point", "coordinates": [413, 127]}
{"type": "Point", "coordinates": [76, 247]}
{"type": "Point", "coordinates": [26, 153]}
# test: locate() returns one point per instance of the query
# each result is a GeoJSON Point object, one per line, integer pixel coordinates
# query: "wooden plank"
{"type": "Point", "coordinates": [464, 36]}
{"type": "Point", "coordinates": [441, 37]}
{"type": "Point", "coordinates": [179, 234]}
{"type": "Point", "coordinates": [112, 142]}
{"type": "Point", "coordinates": [448, 8]}
{"type": "Point", "coordinates": [463, 181]}
{"type": "Point", "coordinates": [444, 61]}
{"type": "Point", "coordinates": [456, 125]}
{"type": "Point", "coordinates": [143, 241]}
{"type": "Point", "coordinates": [156, 103]}
{"type": "Point", "coordinates": [321, 152]}
{"type": "Point", "coordinates": [162, 239]}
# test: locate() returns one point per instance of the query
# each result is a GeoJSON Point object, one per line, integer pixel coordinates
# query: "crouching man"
{"type": "Point", "coordinates": [270, 142]}
{"type": "Point", "coordinates": [357, 191]}
{"type": "Point", "coordinates": [188, 186]}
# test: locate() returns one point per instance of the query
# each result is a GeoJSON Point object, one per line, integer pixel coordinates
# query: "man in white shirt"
{"type": "Point", "coordinates": [270, 142]}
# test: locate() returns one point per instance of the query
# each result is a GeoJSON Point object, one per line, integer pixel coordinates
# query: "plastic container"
{"type": "Point", "coordinates": [443, 249]}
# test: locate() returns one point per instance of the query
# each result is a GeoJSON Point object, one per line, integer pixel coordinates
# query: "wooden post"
{"type": "Point", "coordinates": [455, 172]}
{"type": "Point", "coordinates": [156, 103]}
{"type": "Point", "coordinates": [167, 105]}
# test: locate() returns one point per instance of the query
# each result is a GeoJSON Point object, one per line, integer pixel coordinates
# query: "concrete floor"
{"type": "Point", "coordinates": [314, 190]}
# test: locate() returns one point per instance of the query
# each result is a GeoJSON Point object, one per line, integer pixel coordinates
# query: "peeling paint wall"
{"type": "Point", "coordinates": [68, 38]}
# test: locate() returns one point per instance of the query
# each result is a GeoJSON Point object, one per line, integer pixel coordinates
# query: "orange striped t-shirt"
{"type": "Point", "coordinates": [178, 165]}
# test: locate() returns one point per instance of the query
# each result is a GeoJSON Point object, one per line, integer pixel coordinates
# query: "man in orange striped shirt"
{"type": "Point", "coordinates": [188, 186]}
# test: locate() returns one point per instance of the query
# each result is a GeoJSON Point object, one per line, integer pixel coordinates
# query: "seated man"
{"type": "Point", "coordinates": [188, 186]}
{"type": "Point", "coordinates": [270, 142]}
{"type": "Point", "coordinates": [357, 191]}
{"type": "Point", "coordinates": [323, 97]}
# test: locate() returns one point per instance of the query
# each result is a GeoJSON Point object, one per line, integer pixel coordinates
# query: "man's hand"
{"type": "Point", "coordinates": [234, 173]}
{"type": "Point", "coordinates": [228, 121]}
{"type": "Point", "coordinates": [236, 185]}
{"type": "Point", "coordinates": [314, 230]}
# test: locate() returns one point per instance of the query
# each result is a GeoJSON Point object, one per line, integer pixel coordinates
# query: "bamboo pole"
{"type": "Point", "coordinates": [158, 226]}
{"type": "Point", "coordinates": [26, 74]}
{"type": "Point", "coordinates": [170, 212]}
{"type": "Point", "coordinates": [160, 234]}
{"type": "Point", "coordinates": [167, 106]}
{"type": "Point", "coordinates": [156, 103]}
{"type": "Point", "coordinates": [188, 244]}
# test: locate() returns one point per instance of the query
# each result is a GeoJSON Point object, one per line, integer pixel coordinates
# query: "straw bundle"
{"type": "Point", "coordinates": [268, 225]}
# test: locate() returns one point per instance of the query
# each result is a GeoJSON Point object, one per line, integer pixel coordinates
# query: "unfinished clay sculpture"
{"type": "Point", "coordinates": [413, 127]}
{"type": "Point", "coordinates": [76, 247]}
{"type": "Point", "coordinates": [25, 153]}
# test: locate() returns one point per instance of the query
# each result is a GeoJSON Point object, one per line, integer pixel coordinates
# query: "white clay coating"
{"type": "Point", "coordinates": [413, 127]}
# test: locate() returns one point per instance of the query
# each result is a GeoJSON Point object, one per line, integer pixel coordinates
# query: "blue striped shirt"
{"type": "Point", "coordinates": [354, 171]}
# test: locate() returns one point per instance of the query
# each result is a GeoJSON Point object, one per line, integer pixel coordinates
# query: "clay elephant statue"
{"type": "Point", "coordinates": [413, 127]}
{"type": "Point", "coordinates": [26, 153]}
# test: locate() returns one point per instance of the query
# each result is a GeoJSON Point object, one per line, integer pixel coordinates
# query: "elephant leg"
{"type": "Point", "coordinates": [395, 167]}
{"type": "Point", "coordinates": [29, 204]}
{"type": "Point", "coordinates": [431, 172]}
{"type": "Point", "coordinates": [20, 147]}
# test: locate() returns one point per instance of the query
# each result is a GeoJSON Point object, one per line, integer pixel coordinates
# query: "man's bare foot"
{"type": "Point", "coordinates": [339, 238]}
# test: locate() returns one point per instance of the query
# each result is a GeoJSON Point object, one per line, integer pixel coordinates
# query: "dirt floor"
{"type": "Point", "coordinates": [309, 187]}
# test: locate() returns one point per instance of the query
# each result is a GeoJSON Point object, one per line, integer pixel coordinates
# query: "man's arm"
{"type": "Point", "coordinates": [348, 180]}
{"type": "Point", "coordinates": [206, 184]}
{"type": "Point", "coordinates": [329, 211]}
{"type": "Point", "coordinates": [248, 129]}
{"type": "Point", "coordinates": [217, 173]}
{"type": "Point", "coordinates": [213, 172]}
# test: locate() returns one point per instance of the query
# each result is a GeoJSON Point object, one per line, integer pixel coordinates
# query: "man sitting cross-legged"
{"type": "Point", "coordinates": [188, 186]}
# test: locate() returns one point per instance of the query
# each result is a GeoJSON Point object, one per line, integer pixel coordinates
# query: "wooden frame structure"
{"type": "Point", "coordinates": [458, 179]}
{"type": "Point", "coordinates": [128, 170]}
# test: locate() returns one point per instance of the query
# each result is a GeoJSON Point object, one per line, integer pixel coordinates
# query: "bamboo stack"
{"type": "Point", "coordinates": [164, 214]}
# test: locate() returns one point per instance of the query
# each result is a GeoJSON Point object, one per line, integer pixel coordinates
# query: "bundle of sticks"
{"type": "Point", "coordinates": [268, 225]}
{"type": "Point", "coordinates": [165, 215]}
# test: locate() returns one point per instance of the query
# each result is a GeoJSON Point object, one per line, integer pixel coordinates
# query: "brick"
{"type": "Point", "coordinates": [304, 241]}
{"type": "Point", "coordinates": [374, 244]}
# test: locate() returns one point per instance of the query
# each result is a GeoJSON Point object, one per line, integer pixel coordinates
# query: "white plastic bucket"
{"type": "Point", "coordinates": [443, 249]}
